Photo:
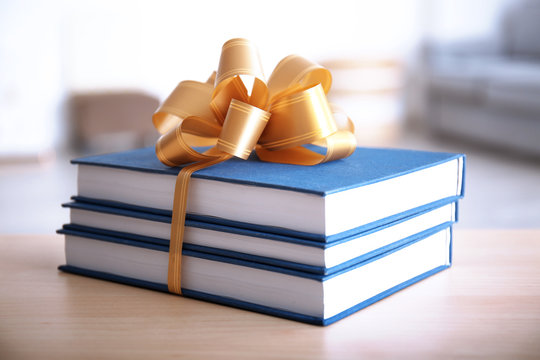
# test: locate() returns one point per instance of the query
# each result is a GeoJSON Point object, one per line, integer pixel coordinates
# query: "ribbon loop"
{"type": "Point", "coordinates": [297, 119]}
{"type": "Point", "coordinates": [239, 77]}
{"type": "Point", "coordinates": [187, 99]}
{"type": "Point", "coordinates": [241, 130]}
{"type": "Point", "coordinates": [239, 57]}
{"type": "Point", "coordinates": [173, 150]}
{"type": "Point", "coordinates": [294, 72]}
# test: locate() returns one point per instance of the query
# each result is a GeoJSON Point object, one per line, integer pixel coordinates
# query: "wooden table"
{"type": "Point", "coordinates": [487, 304]}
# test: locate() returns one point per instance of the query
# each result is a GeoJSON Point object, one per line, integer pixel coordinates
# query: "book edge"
{"type": "Point", "coordinates": [244, 305]}
{"type": "Point", "coordinates": [171, 172]}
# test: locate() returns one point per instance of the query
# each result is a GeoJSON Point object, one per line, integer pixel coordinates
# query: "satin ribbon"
{"type": "Point", "coordinates": [235, 111]}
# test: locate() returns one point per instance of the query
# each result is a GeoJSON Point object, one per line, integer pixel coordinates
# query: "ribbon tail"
{"type": "Point", "coordinates": [174, 275]}
{"type": "Point", "coordinates": [340, 145]}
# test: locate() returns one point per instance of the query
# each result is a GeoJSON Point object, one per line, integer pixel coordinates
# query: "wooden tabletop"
{"type": "Point", "coordinates": [487, 305]}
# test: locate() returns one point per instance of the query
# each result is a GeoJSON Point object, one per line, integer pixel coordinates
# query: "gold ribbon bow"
{"type": "Point", "coordinates": [242, 112]}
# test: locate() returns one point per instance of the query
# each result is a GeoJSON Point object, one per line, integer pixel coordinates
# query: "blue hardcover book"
{"type": "Point", "coordinates": [267, 248]}
{"type": "Point", "coordinates": [326, 202]}
{"type": "Point", "coordinates": [297, 295]}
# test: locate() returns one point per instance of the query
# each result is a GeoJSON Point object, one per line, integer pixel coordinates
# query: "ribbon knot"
{"type": "Point", "coordinates": [235, 111]}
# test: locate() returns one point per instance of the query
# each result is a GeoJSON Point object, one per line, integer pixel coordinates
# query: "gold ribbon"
{"type": "Point", "coordinates": [236, 111]}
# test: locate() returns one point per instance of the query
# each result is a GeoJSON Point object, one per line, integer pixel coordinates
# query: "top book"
{"type": "Point", "coordinates": [325, 202]}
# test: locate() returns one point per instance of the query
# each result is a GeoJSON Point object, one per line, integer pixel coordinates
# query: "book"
{"type": "Point", "coordinates": [326, 202]}
{"type": "Point", "coordinates": [285, 251]}
{"type": "Point", "coordinates": [297, 295]}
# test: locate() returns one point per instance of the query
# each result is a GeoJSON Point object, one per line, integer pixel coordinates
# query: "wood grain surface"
{"type": "Point", "coordinates": [486, 305]}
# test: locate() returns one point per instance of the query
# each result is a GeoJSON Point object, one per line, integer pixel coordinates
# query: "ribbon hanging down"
{"type": "Point", "coordinates": [235, 111]}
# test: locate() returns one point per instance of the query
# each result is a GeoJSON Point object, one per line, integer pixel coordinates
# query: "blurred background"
{"type": "Point", "coordinates": [448, 75]}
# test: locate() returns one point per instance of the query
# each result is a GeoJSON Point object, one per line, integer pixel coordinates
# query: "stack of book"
{"type": "Point", "coordinates": [310, 243]}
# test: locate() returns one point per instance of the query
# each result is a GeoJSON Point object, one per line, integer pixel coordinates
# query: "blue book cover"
{"type": "Point", "coordinates": [332, 195]}
{"type": "Point", "coordinates": [88, 254]}
{"type": "Point", "coordinates": [267, 248]}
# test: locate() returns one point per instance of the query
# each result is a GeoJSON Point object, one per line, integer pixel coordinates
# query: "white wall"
{"type": "Point", "coordinates": [154, 44]}
{"type": "Point", "coordinates": [30, 75]}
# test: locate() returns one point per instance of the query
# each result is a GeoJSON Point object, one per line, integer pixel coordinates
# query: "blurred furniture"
{"type": "Point", "coordinates": [489, 89]}
{"type": "Point", "coordinates": [111, 121]}
{"type": "Point", "coordinates": [485, 306]}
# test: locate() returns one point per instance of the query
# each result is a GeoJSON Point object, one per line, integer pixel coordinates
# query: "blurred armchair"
{"type": "Point", "coordinates": [488, 90]}
{"type": "Point", "coordinates": [111, 121]}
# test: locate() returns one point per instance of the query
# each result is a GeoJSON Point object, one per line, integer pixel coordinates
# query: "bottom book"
{"type": "Point", "coordinates": [302, 296]}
